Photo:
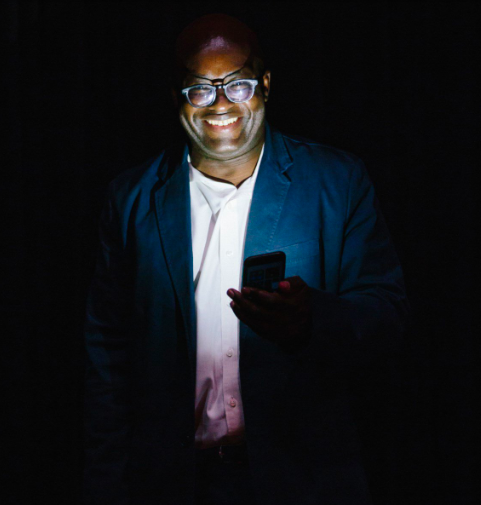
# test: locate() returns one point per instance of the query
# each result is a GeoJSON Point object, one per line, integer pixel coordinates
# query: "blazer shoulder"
{"type": "Point", "coordinates": [127, 186]}
{"type": "Point", "coordinates": [327, 160]}
{"type": "Point", "coordinates": [139, 175]}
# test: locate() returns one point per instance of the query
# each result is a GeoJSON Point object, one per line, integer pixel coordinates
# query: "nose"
{"type": "Point", "coordinates": [221, 103]}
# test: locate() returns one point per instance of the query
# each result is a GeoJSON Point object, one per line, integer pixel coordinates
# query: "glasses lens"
{"type": "Point", "coordinates": [240, 91]}
{"type": "Point", "coordinates": [200, 96]}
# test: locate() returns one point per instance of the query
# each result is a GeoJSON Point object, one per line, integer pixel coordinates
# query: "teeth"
{"type": "Point", "coordinates": [222, 123]}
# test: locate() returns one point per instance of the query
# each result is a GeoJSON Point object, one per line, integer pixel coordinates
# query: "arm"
{"type": "Point", "coordinates": [364, 318]}
{"type": "Point", "coordinates": [107, 422]}
{"type": "Point", "coordinates": [367, 316]}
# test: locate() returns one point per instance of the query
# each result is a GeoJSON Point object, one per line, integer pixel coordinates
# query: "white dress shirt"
{"type": "Point", "coordinates": [219, 212]}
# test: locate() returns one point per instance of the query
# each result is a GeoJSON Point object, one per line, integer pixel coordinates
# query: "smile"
{"type": "Point", "coordinates": [221, 123]}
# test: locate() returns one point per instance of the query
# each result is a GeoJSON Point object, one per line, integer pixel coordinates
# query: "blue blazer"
{"type": "Point", "coordinates": [316, 204]}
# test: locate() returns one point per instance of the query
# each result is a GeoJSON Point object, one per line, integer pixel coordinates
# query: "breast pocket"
{"type": "Point", "coordinates": [304, 259]}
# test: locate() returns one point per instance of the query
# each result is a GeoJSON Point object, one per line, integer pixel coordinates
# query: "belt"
{"type": "Point", "coordinates": [223, 454]}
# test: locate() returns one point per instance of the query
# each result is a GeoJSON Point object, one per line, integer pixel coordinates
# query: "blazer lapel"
{"type": "Point", "coordinates": [270, 191]}
{"type": "Point", "coordinates": [269, 195]}
{"type": "Point", "coordinates": [172, 204]}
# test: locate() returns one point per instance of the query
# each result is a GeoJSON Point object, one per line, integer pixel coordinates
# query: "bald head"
{"type": "Point", "coordinates": [217, 33]}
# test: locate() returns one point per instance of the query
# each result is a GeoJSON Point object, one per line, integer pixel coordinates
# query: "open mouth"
{"type": "Point", "coordinates": [221, 123]}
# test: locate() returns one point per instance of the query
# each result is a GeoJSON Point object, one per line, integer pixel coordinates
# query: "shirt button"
{"type": "Point", "coordinates": [232, 402]}
{"type": "Point", "coordinates": [229, 253]}
{"type": "Point", "coordinates": [229, 353]}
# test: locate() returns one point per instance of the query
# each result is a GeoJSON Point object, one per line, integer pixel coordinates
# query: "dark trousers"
{"type": "Point", "coordinates": [223, 480]}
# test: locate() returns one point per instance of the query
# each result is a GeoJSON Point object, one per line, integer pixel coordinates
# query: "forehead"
{"type": "Point", "coordinates": [217, 59]}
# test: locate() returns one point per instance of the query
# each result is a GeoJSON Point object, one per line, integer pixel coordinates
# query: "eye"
{"type": "Point", "coordinates": [239, 85]}
{"type": "Point", "coordinates": [200, 90]}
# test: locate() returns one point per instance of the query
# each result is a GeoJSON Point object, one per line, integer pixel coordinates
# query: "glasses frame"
{"type": "Point", "coordinates": [214, 87]}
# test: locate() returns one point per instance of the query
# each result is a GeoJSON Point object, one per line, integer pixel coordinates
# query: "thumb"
{"type": "Point", "coordinates": [292, 285]}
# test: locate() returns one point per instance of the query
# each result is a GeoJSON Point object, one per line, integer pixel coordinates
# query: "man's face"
{"type": "Point", "coordinates": [225, 63]}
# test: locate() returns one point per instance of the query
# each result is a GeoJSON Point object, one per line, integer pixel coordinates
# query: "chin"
{"type": "Point", "coordinates": [223, 149]}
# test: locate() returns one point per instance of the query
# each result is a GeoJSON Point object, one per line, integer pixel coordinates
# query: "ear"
{"type": "Point", "coordinates": [266, 84]}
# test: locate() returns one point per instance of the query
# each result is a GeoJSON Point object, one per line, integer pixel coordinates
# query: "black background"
{"type": "Point", "coordinates": [86, 96]}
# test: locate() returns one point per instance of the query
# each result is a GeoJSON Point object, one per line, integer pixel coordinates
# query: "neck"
{"type": "Point", "coordinates": [235, 171]}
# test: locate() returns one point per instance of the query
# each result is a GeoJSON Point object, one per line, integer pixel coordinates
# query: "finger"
{"type": "Point", "coordinates": [292, 285]}
{"type": "Point", "coordinates": [252, 309]}
{"type": "Point", "coordinates": [239, 312]}
{"type": "Point", "coordinates": [249, 291]}
{"type": "Point", "coordinates": [262, 328]}
{"type": "Point", "coordinates": [263, 298]}
{"type": "Point", "coordinates": [246, 317]}
{"type": "Point", "coordinates": [253, 300]}
{"type": "Point", "coordinates": [232, 293]}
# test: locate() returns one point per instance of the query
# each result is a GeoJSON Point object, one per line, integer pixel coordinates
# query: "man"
{"type": "Point", "coordinates": [199, 391]}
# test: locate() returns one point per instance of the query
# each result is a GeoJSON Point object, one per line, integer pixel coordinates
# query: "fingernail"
{"type": "Point", "coordinates": [284, 285]}
{"type": "Point", "coordinates": [230, 293]}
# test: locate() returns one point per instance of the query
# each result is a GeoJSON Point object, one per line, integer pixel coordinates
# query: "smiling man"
{"type": "Point", "coordinates": [204, 391]}
{"type": "Point", "coordinates": [226, 132]}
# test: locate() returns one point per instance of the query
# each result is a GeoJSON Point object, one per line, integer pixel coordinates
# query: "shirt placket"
{"type": "Point", "coordinates": [229, 270]}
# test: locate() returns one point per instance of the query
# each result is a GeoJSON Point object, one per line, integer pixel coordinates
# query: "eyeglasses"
{"type": "Point", "coordinates": [203, 95]}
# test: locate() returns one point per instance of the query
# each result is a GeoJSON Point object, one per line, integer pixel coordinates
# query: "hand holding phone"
{"type": "Point", "coordinates": [283, 316]}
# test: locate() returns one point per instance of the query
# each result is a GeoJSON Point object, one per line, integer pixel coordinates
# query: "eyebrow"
{"type": "Point", "coordinates": [206, 78]}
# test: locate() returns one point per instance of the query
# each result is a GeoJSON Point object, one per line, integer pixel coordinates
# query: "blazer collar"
{"type": "Point", "coordinates": [275, 150]}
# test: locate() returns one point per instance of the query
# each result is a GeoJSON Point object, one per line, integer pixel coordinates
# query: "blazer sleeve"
{"type": "Point", "coordinates": [107, 417]}
{"type": "Point", "coordinates": [368, 314]}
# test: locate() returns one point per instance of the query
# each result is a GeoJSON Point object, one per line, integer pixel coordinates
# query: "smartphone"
{"type": "Point", "coordinates": [264, 271]}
